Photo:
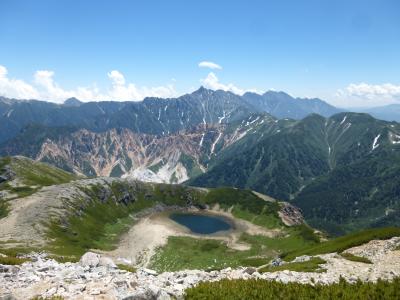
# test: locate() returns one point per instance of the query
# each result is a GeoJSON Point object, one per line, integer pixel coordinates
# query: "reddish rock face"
{"type": "Point", "coordinates": [121, 152]}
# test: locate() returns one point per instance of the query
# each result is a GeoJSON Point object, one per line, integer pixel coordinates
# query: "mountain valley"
{"type": "Point", "coordinates": [106, 177]}
{"type": "Point", "coordinates": [221, 139]}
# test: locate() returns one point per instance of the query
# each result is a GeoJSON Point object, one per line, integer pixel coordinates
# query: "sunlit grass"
{"type": "Point", "coordinates": [271, 290]}
{"type": "Point", "coordinates": [312, 265]}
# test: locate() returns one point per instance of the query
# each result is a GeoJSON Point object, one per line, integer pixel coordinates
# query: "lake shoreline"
{"type": "Point", "coordinates": [152, 230]}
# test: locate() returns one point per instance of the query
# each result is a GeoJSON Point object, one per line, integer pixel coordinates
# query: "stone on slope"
{"type": "Point", "coordinates": [90, 259]}
{"type": "Point", "coordinates": [250, 270]}
{"type": "Point", "coordinates": [150, 272]}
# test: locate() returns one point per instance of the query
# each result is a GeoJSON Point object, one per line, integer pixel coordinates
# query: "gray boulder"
{"type": "Point", "coordinates": [90, 259]}
{"type": "Point", "coordinates": [151, 292]}
{"type": "Point", "coordinates": [250, 270]}
{"type": "Point", "coordinates": [149, 271]}
{"type": "Point", "coordinates": [276, 262]}
{"type": "Point", "coordinates": [302, 258]}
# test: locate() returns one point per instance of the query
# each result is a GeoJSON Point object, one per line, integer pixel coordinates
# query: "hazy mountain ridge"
{"type": "Point", "coordinates": [150, 116]}
{"type": "Point", "coordinates": [389, 112]}
{"type": "Point", "coordinates": [153, 115]}
{"type": "Point", "coordinates": [282, 105]}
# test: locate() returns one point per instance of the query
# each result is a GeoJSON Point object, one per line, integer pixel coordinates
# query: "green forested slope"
{"type": "Point", "coordinates": [343, 171]}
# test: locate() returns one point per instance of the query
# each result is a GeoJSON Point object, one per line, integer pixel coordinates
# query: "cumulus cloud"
{"type": "Point", "coordinates": [369, 90]}
{"type": "Point", "coordinates": [123, 91]}
{"type": "Point", "coordinates": [364, 94]}
{"type": "Point", "coordinates": [15, 88]}
{"type": "Point", "coordinates": [212, 82]}
{"type": "Point", "coordinates": [116, 77]}
{"type": "Point", "coordinates": [48, 89]}
{"type": "Point", "coordinates": [210, 65]}
{"type": "Point", "coordinates": [44, 87]}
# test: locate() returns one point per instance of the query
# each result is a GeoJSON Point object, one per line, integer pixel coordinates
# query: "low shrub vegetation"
{"type": "Point", "coordinates": [12, 255]}
{"type": "Point", "coordinates": [190, 253]}
{"type": "Point", "coordinates": [254, 261]}
{"type": "Point", "coordinates": [312, 265]}
{"type": "Point", "coordinates": [31, 176]}
{"type": "Point", "coordinates": [355, 258]}
{"type": "Point", "coordinates": [97, 228]}
{"type": "Point", "coordinates": [10, 260]}
{"type": "Point", "coordinates": [22, 191]}
{"type": "Point", "coordinates": [39, 174]}
{"type": "Point", "coordinates": [4, 209]}
{"type": "Point", "coordinates": [246, 205]}
{"type": "Point", "coordinates": [17, 251]}
{"type": "Point", "coordinates": [345, 242]}
{"type": "Point", "coordinates": [270, 290]}
{"type": "Point", "coordinates": [64, 259]}
{"type": "Point", "coordinates": [98, 223]}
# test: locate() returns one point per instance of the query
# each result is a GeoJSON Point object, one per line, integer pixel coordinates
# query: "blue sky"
{"type": "Point", "coordinates": [346, 52]}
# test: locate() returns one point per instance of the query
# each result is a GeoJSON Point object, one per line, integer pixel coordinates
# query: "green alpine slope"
{"type": "Point", "coordinates": [342, 171]}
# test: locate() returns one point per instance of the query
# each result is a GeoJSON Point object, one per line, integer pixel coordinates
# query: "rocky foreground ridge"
{"type": "Point", "coordinates": [97, 277]}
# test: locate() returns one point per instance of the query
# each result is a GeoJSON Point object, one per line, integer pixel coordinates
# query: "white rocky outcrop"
{"type": "Point", "coordinates": [90, 260]}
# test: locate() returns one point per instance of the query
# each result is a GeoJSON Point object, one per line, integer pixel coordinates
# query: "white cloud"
{"type": "Point", "coordinates": [369, 90]}
{"type": "Point", "coordinates": [15, 88]}
{"type": "Point", "coordinates": [49, 90]}
{"type": "Point", "coordinates": [116, 77]}
{"type": "Point", "coordinates": [364, 94]}
{"type": "Point", "coordinates": [122, 91]}
{"type": "Point", "coordinates": [45, 88]}
{"type": "Point", "coordinates": [212, 82]}
{"type": "Point", "coordinates": [210, 65]}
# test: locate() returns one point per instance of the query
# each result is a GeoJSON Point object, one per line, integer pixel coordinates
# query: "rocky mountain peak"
{"type": "Point", "coordinates": [72, 102]}
{"type": "Point", "coordinates": [202, 91]}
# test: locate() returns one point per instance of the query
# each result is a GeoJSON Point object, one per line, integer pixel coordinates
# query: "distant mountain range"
{"type": "Point", "coordinates": [341, 168]}
{"type": "Point", "coordinates": [282, 105]}
{"type": "Point", "coordinates": [389, 112]}
{"type": "Point", "coordinates": [154, 115]}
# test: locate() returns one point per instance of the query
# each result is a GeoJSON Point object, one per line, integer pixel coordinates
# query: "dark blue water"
{"type": "Point", "coordinates": [201, 224]}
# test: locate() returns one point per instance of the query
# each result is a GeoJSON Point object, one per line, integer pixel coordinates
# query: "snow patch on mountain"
{"type": "Point", "coordinates": [202, 140]}
{"type": "Point", "coordinates": [394, 138]}
{"type": "Point", "coordinates": [375, 143]}
{"type": "Point", "coordinates": [221, 118]}
{"type": "Point", "coordinates": [215, 142]}
{"type": "Point", "coordinates": [9, 113]}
